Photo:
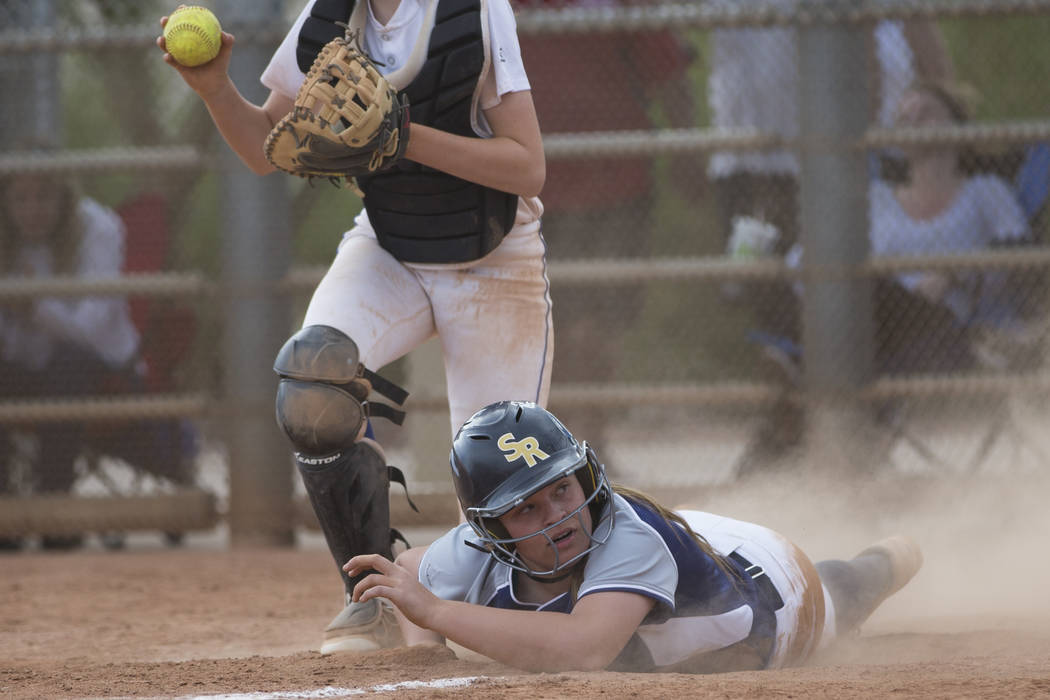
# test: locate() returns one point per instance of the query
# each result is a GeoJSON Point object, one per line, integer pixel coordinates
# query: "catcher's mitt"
{"type": "Point", "coordinates": [347, 120]}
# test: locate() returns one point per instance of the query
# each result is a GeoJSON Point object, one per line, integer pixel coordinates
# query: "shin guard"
{"type": "Point", "coordinates": [349, 492]}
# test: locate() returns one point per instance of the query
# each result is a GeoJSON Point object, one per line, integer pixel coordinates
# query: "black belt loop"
{"type": "Point", "coordinates": [767, 591]}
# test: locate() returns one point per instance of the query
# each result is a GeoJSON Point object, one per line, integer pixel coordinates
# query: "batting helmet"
{"type": "Point", "coordinates": [508, 451]}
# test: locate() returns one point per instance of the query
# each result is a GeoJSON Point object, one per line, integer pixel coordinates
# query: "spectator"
{"type": "Point", "coordinates": [754, 82]}
{"type": "Point", "coordinates": [939, 208]}
{"type": "Point", "coordinates": [602, 207]}
{"type": "Point", "coordinates": [68, 346]}
{"type": "Point", "coordinates": [924, 319]}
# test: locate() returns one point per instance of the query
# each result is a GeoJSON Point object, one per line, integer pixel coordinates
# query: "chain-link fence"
{"type": "Point", "coordinates": [780, 232]}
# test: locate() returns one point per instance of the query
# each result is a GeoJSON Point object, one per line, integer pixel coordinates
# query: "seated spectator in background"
{"type": "Point", "coordinates": [754, 82]}
{"type": "Point", "coordinates": [66, 346]}
{"type": "Point", "coordinates": [922, 317]}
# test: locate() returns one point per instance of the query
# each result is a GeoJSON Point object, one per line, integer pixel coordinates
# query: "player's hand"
{"type": "Point", "coordinates": [393, 582]}
{"type": "Point", "coordinates": [206, 79]}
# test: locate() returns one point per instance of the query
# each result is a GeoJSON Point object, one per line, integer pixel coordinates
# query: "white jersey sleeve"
{"type": "Point", "coordinates": [282, 74]}
{"type": "Point", "coordinates": [452, 570]}
{"type": "Point", "coordinates": [635, 559]}
{"type": "Point", "coordinates": [508, 69]}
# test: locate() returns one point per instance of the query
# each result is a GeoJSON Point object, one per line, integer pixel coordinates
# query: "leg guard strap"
{"type": "Point", "coordinates": [398, 477]}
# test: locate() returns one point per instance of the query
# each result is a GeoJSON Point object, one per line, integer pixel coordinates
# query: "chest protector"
{"type": "Point", "coordinates": [420, 214]}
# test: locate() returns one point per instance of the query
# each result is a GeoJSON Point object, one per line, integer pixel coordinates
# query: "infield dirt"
{"type": "Point", "coordinates": [199, 621]}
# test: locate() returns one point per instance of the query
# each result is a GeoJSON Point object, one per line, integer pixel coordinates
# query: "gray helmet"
{"type": "Point", "coordinates": [508, 451]}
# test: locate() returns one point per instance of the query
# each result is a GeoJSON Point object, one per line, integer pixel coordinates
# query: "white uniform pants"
{"type": "Point", "coordinates": [808, 616]}
{"type": "Point", "coordinates": [493, 316]}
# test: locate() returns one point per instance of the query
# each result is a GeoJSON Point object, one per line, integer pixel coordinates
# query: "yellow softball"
{"type": "Point", "coordinates": [192, 35]}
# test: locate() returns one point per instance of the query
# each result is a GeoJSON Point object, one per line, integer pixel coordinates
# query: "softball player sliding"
{"type": "Point", "coordinates": [448, 244]}
{"type": "Point", "coordinates": [556, 569]}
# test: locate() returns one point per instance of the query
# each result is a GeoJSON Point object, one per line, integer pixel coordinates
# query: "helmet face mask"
{"type": "Point", "coordinates": [506, 453]}
{"type": "Point", "coordinates": [596, 528]}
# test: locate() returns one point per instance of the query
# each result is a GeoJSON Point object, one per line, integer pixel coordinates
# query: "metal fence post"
{"type": "Point", "coordinates": [836, 317]}
{"type": "Point", "coordinates": [37, 118]}
{"type": "Point", "coordinates": [255, 255]}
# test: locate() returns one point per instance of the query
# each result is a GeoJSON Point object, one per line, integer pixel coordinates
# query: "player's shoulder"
{"type": "Point", "coordinates": [450, 566]}
{"type": "Point", "coordinates": [635, 554]}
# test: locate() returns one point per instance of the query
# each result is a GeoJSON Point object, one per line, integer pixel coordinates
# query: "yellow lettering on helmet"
{"type": "Point", "coordinates": [528, 448]}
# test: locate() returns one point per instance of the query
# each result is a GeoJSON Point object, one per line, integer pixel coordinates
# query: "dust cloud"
{"type": "Point", "coordinates": [984, 531]}
{"type": "Point", "coordinates": [984, 537]}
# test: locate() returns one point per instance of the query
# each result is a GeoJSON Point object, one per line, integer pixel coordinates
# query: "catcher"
{"type": "Point", "coordinates": [556, 569]}
{"type": "Point", "coordinates": [448, 242]}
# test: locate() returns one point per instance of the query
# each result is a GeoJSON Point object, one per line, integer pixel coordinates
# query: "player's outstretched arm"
{"type": "Point", "coordinates": [242, 124]}
{"type": "Point", "coordinates": [511, 161]}
{"type": "Point", "coordinates": [589, 638]}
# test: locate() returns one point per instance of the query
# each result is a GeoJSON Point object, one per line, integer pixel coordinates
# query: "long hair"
{"type": "Point", "coordinates": [63, 239]}
{"type": "Point", "coordinates": [673, 518]}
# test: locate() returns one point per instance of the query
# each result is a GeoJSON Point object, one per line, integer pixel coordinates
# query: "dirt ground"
{"type": "Point", "coordinates": [198, 622]}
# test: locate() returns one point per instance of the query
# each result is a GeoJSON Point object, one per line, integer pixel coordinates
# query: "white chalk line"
{"type": "Point", "coordinates": [327, 691]}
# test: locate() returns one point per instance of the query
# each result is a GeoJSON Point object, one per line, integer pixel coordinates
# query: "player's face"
{"type": "Point", "coordinates": [547, 508]}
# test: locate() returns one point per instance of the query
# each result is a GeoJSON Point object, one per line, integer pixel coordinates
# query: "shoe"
{"type": "Point", "coordinates": [363, 627]}
{"type": "Point", "coordinates": [905, 560]}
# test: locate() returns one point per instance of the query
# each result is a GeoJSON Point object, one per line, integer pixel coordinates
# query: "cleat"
{"type": "Point", "coordinates": [363, 627]}
{"type": "Point", "coordinates": [905, 560]}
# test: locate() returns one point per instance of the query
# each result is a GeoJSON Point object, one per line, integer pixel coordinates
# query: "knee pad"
{"type": "Point", "coordinates": [322, 396]}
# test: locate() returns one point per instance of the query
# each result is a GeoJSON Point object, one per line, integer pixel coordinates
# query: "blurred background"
{"type": "Point", "coordinates": [784, 236]}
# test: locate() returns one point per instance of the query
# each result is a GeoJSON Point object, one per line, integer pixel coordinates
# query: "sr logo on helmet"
{"type": "Point", "coordinates": [528, 448]}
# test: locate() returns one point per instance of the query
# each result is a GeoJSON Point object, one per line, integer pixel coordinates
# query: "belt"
{"type": "Point", "coordinates": [767, 592]}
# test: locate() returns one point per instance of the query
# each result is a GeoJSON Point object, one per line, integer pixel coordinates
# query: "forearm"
{"type": "Point", "coordinates": [589, 638]}
{"type": "Point", "coordinates": [242, 124]}
{"type": "Point", "coordinates": [932, 60]}
{"type": "Point", "coordinates": [526, 639]}
{"type": "Point", "coordinates": [499, 162]}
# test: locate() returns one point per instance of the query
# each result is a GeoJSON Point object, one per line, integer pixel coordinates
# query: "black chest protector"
{"type": "Point", "coordinates": [420, 214]}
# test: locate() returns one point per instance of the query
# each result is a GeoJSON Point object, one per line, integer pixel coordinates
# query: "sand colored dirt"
{"type": "Point", "coordinates": [157, 622]}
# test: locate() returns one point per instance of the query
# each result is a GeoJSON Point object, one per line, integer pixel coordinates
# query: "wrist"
{"type": "Point", "coordinates": [435, 616]}
{"type": "Point", "coordinates": [214, 93]}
